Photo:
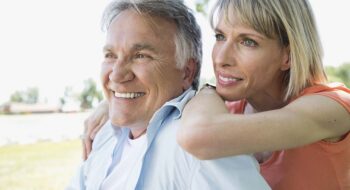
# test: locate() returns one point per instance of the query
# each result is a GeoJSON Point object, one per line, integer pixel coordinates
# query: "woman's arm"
{"type": "Point", "coordinates": [92, 125]}
{"type": "Point", "coordinates": [209, 131]}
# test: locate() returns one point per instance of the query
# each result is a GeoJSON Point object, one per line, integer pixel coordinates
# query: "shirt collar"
{"type": "Point", "coordinates": [177, 104]}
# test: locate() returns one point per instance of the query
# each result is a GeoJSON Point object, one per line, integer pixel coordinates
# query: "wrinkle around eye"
{"type": "Point", "coordinates": [141, 55]}
{"type": "Point", "coordinates": [249, 43]}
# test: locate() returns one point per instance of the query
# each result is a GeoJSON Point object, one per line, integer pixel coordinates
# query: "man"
{"type": "Point", "coordinates": [151, 68]}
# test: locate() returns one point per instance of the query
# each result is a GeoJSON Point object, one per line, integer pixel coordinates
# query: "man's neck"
{"type": "Point", "coordinates": [138, 132]}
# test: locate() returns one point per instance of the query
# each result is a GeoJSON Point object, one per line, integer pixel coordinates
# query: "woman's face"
{"type": "Point", "coordinates": [247, 64]}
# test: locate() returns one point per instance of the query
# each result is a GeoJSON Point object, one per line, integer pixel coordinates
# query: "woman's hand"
{"type": "Point", "coordinates": [92, 125]}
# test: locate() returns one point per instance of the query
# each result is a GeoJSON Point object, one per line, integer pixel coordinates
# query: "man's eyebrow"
{"type": "Point", "coordinates": [139, 47]}
{"type": "Point", "coordinates": [106, 48]}
{"type": "Point", "coordinates": [135, 47]}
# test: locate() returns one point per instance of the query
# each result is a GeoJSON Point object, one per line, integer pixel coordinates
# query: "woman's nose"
{"type": "Point", "coordinates": [223, 54]}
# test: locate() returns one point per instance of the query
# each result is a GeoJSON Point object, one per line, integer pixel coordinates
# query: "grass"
{"type": "Point", "coordinates": [40, 166]}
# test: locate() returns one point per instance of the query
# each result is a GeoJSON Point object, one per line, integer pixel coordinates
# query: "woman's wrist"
{"type": "Point", "coordinates": [207, 86]}
{"type": "Point", "coordinates": [209, 89]}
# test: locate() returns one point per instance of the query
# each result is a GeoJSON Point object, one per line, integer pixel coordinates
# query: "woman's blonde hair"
{"type": "Point", "coordinates": [292, 22]}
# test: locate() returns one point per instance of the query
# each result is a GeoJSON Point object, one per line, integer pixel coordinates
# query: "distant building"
{"type": "Point", "coordinates": [70, 106]}
{"type": "Point", "coordinates": [20, 108]}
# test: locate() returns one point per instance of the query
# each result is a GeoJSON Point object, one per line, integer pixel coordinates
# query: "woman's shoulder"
{"type": "Point", "coordinates": [323, 88]}
{"type": "Point", "coordinates": [336, 91]}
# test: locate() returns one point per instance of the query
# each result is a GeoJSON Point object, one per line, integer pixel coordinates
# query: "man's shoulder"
{"type": "Point", "coordinates": [105, 135]}
{"type": "Point", "coordinates": [168, 166]}
{"type": "Point", "coordinates": [165, 145]}
{"type": "Point", "coordinates": [234, 172]}
{"type": "Point", "coordinates": [96, 166]}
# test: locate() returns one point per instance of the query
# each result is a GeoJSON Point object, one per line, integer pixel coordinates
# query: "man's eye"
{"type": "Point", "coordinates": [219, 37]}
{"type": "Point", "coordinates": [109, 56]}
{"type": "Point", "coordinates": [140, 56]}
{"type": "Point", "coordinates": [249, 43]}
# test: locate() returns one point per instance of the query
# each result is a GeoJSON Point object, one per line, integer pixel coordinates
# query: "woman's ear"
{"type": "Point", "coordinates": [190, 70]}
{"type": "Point", "coordinates": [286, 59]}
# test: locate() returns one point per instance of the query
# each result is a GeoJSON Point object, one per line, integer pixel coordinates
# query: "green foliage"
{"type": "Point", "coordinates": [17, 97]}
{"type": "Point", "coordinates": [339, 74]}
{"type": "Point", "coordinates": [30, 96]}
{"type": "Point", "coordinates": [202, 7]}
{"type": "Point", "coordinates": [90, 94]}
{"type": "Point", "coordinates": [69, 95]}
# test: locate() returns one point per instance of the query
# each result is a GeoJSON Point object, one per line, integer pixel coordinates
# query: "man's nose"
{"type": "Point", "coordinates": [121, 72]}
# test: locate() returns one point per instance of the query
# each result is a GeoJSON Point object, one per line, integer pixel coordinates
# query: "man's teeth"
{"type": "Point", "coordinates": [128, 95]}
{"type": "Point", "coordinates": [225, 79]}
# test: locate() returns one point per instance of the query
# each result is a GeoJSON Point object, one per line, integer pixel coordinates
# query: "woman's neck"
{"type": "Point", "coordinates": [267, 101]}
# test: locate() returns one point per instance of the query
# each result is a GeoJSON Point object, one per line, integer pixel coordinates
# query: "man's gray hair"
{"type": "Point", "coordinates": [188, 35]}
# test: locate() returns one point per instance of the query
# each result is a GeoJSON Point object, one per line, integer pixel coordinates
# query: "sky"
{"type": "Point", "coordinates": [52, 44]}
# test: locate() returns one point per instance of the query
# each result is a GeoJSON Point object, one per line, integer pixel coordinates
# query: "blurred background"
{"type": "Point", "coordinates": [50, 55]}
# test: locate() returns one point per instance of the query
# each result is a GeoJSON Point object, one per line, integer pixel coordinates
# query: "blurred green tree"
{"type": "Point", "coordinates": [202, 6]}
{"type": "Point", "coordinates": [339, 74]}
{"type": "Point", "coordinates": [17, 97]}
{"type": "Point", "coordinates": [29, 96]}
{"type": "Point", "coordinates": [90, 94]}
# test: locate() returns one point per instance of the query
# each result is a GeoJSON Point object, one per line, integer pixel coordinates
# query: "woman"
{"type": "Point", "coordinates": [268, 65]}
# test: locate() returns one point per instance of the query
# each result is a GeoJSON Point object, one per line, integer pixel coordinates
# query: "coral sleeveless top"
{"type": "Point", "coordinates": [318, 166]}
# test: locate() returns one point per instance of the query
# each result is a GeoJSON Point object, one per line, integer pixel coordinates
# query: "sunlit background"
{"type": "Point", "coordinates": [56, 44]}
{"type": "Point", "coordinates": [50, 55]}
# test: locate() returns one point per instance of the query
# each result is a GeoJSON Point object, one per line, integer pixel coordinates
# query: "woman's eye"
{"type": "Point", "coordinates": [249, 43]}
{"type": "Point", "coordinates": [219, 37]}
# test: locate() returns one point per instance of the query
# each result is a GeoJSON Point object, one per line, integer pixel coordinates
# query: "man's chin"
{"type": "Point", "coordinates": [119, 119]}
{"type": "Point", "coordinates": [124, 122]}
{"type": "Point", "coordinates": [120, 122]}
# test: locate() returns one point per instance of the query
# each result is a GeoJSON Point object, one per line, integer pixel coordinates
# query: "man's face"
{"type": "Point", "coordinates": [139, 72]}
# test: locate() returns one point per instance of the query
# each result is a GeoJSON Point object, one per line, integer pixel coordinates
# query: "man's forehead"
{"type": "Point", "coordinates": [134, 47]}
{"type": "Point", "coordinates": [137, 32]}
{"type": "Point", "coordinates": [155, 23]}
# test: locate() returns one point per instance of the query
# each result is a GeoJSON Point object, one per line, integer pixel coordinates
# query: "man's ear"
{"type": "Point", "coordinates": [285, 65]}
{"type": "Point", "coordinates": [190, 70]}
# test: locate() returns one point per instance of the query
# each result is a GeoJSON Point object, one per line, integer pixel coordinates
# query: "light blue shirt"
{"type": "Point", "coordinates": [166, 166]}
